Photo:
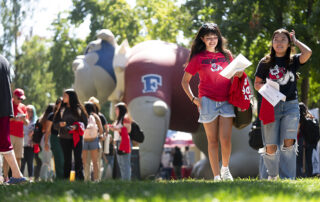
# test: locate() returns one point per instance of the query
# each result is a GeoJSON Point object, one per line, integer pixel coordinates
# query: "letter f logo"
{"type": "Point", "coordinates": [151, 83]}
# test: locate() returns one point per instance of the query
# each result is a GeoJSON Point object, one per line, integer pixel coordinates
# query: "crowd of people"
{"type": "Point", "coordinates": [69, 127]}
{"type": "Point", "coordinates": [77, 136]}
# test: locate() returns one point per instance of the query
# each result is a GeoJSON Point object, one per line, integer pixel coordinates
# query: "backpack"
{"type": "Point", "coordinates": [136, 133]}
{"type": "Point", "coordinates": [255, 135]}
{"type": "Point", "coordinates": [309, 129]}
{"type": "Point", "coordinates": [92, 129]}
{"type": "Point", "coordinates": [37, 132]}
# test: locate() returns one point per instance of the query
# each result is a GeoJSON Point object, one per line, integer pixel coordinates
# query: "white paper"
{"type": "Point", "coordinates": [239, 64]}
{"type": "Point", "coordinates": [270, 91]}
{"type": "Point", "coordinates": [273, 84]}
{"type": "Point", "coordinates": [107, 144]}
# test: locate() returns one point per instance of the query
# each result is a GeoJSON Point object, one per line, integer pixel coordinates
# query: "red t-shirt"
{"type": "Point", "coordinates": [16, 127]}
{"type": "Point", "coordinates": [212, 84]}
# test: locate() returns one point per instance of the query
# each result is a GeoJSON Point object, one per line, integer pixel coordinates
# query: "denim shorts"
{"type": "Point", "coordinates": [95, 144]}
{"type": "Point", "coordinates": [211, 109]}
{"type": "Point", "coordinates": [285, 126]}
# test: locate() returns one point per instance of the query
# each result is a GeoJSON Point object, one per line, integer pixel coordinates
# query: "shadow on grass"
{"type": "Point", "coordinates": [162, 190]}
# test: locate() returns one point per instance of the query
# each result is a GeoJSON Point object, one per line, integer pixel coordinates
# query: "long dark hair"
{"type": "Point", "coordinates": [74, 103]}
{"type": "Point", "coordinates": [58, 101]}
{"type": "Point", "coordinates": [270, 58]}
{"type": "Point", "coordinates": [90, 108]}
{"type": "Point", "coordinates": [44, 116]}
{"type": "Point", "coordinates": [122, 112]}
{"type": "Point", "coordinates": [304, 112]}
{"type": "Point", "coordinates": [198, 45]}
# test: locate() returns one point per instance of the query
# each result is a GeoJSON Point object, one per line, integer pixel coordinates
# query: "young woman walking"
{"type": "Point", "coordinates": [280, 132]}
{"type": "Point", "coordinates": [208, 58]}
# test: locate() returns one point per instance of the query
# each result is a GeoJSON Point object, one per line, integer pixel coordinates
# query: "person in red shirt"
{"type": "Point", "coordinates": [208, 58]}
{"type": "Point", "coordinates": [16, 127]}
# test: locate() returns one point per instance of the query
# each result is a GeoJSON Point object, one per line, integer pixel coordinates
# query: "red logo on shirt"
{"type": "Point", "coordinates": [277, 72]}
{"type": "Point", "coordinates": [215, 67]}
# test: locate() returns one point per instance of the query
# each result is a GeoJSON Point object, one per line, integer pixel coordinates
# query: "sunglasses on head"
{"type": "Point", "coordinates": [209, 26]}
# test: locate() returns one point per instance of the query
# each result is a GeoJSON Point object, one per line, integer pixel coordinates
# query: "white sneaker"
{"type": "Point", "coordinates": [225, 174]}
{"type": "Point", "coordinates": [217, 178]}
{"type": "Point", "coordinates": [272, 178]}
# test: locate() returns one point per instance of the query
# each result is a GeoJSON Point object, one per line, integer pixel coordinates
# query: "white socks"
{"type": "Point", "coordinates": [217, 178]}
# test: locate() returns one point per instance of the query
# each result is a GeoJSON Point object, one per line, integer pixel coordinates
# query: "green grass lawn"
{"type": "Point", "coordinates": [184, 190]}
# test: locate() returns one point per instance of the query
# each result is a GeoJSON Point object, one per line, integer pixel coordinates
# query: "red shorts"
{"type": "Point", "coordinates": [5, 143]}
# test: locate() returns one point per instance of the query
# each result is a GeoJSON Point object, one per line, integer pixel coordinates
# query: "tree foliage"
{"type": "Point", "coordinates": [148, 20]}
{"type": "Point", "coordinates": [162, 19]}
{"type": "Point", "coordinates": [248, 25]}
{"type": "Point", "coordinates": [64, 50]}
{"type": "Point", "coordinates": [34, 75]}
{"type": "Point", "coordinates": [115, 15]}
{"type": "Point", "coordinates": [12, 16]}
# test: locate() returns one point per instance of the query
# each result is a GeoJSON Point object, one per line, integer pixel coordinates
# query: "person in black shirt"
{"type": "Point", "coordinates": [55, 142]}
{"type": "Point", "coordinates": [65, 120]}
{"type": "Point", "coordinates": [177, 162]}
{"type": "Point", "coordinates": [279, 136]}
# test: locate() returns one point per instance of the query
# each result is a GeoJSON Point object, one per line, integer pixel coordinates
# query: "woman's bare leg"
{"type": "Point", "coordinates": [213, 145]}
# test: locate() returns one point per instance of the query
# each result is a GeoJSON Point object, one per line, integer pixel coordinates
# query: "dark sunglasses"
{"type": "Point", "coordinates": [20, 99]}
{"type": "Point", "coordinates": [209, 25]}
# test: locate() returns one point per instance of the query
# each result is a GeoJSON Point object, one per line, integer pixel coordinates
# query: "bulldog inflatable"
{"type": "Point", "coordinates": [148, 78]}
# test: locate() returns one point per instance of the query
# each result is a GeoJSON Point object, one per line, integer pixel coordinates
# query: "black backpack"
{"type": "Point", "coordinates": [255, 135]}
{"type": "Point", "coordinates": [37, 133]}
{"type": "Point", "coordinates": [136, 133]}
{"type": "Point", "coordinates": [309, 129]}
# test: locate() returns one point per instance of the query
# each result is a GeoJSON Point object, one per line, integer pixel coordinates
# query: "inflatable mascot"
{"type": "Point", "coordinates": [148, 78]}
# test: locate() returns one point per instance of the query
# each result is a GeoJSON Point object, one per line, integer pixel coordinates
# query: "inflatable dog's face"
{"type": "Point", "coordinates": [94, 71]}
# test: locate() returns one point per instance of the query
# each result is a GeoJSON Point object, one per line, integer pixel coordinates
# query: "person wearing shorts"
{"type": "Point", "coordinates": [208, 58]}
{"type": "Point", "coordinates": [6, 112]}
{"type": "Point", "coordinates": [91, 145]}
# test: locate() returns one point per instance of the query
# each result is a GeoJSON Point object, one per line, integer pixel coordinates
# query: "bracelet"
{"type": "Point", "coordinates": [193, 99]}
